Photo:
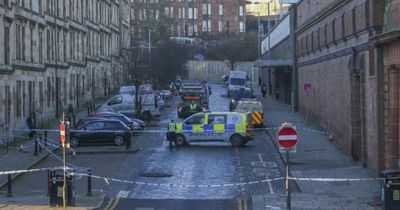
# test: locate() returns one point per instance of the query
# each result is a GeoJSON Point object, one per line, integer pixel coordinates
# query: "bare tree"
{"type": "Point", "coordinates": [169, 60]}
{"type": "Point", "coordinates": [135, 60]}
{"type": "Point", "coordinates": [235, 49]}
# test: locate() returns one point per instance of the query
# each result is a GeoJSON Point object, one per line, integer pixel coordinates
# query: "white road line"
{"type": "Point", "coordinates": [122, 194]}
{"type": "Point", "coordinates": [271, 190]}
{"type": "Point", "coordinates": [260, 157]}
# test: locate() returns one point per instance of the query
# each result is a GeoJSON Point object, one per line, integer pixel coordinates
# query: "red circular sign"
{"type": "Point", "coordinates": [287, 137]}
{"type": "Point", "coordinates": [62, 132]}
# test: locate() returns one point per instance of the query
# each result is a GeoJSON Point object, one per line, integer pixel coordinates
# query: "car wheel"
{"type": "Point", "coordinates": [237, 140]}
{"type": "Point", "coordinates": [146, 116]}
{"type": "Point", "coordinates": [181, 139]}
{"type": "Point", "coordinates": [74, 142]}
{"type": "Point", "coordinates": [119, 140]}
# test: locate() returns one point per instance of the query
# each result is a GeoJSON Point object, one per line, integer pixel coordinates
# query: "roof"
{"type": "Point", "coordinates": [273, 63]}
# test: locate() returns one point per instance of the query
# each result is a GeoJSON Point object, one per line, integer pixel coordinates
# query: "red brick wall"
{"type": "Point", "coordinates": [340, 102]}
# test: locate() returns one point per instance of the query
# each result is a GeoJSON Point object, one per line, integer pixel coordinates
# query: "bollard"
{"type": "Point", "coordinates": [45, 139]}
{"type": "Point", "coordinates": [40, 140]}
{"type": "Point", "coordinates": [73, 120]}
{"type": "Point", "coordinates": [36, 146]}
{"type": "Point", "coordinates": [48, 181]}
{"type": "Point", "coordinates": [9, 189]}
{"type": "Point", "coordinates": [89, 182]}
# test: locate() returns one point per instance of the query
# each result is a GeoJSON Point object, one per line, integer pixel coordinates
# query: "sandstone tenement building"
{"type": "Point", "coordinates": [57, 52]}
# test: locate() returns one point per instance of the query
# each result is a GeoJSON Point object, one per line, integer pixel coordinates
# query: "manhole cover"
{"type": "Point", "coordinates": [155, 174]}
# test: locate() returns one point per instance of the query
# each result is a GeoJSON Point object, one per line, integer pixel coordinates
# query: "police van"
{"type": "Point", "coordinates": [216, 126]}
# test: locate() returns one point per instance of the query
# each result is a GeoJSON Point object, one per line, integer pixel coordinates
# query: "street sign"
{"type": "Point", "coordinates": [287, 136]}
{"type": "Point", "coordinates": [307, 86]}
{"type": "Point", "coordinates": [62, 132]}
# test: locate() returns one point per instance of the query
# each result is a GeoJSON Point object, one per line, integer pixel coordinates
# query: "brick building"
{"type": "Point", "coordinates": [54, 53]}
{"type": "Point", "coordinates": [388, 61]}
{"type": "Point", "coordinates": [193, 18]}
{"type": "Point", "coordinates": [335, 55]}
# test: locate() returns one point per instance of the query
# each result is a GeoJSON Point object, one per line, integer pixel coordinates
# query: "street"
{"type": "Point", "coordinates": [221, 105]}
{"type": "Point", "coordinates": [193, 171]}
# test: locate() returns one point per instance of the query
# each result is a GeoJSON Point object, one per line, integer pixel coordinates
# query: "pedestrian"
{"type": "Point", "coordinates": [277, 92]}
{"type": "Point", "coordinates": [31, 122]}
{"type": "Point", "coordinates": [171, 135]}
{"type": "Point", "coordinates": [264, 90]}
{"type": "Point", "coordinates": [193, 106]}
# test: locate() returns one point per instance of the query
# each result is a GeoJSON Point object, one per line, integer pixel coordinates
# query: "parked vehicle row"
{"type": "Point", "coordinates": [116, 121]}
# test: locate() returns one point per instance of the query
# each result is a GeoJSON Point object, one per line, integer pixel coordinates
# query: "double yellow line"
{"type": "Point", "coordinates": [112, 204]}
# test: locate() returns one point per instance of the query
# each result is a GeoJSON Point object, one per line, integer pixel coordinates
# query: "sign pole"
{"type": "Point", "coordinates": [287, 137]}
{"type": "Point", "coordinates": [288, 197]}
{"type": "Point", "coordinates": [64, 163]}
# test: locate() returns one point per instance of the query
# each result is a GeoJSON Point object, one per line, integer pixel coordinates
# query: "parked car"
{"type": "Point", "coordinates": [125, 104]}
{"type": "Point", "coordinates": [86, 120]}
{"type": "Point", "coordinates": [101, 131]}
{"type": "Point", "coordinates": [165, 94]}
{"type": "Point", "coordinates": [160, 102]}
{"type": "Point", "coordinates": [127, 89]}
{"type": "Point", "coordinates": [102, 109]}
{"type": "Point", "coordinates": [134, 126]}
{"type": "Point", "coordinates": [112, 112]}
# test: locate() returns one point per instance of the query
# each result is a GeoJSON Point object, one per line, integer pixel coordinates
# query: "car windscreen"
{"type": "Point", "coordinates": [249, 107]}
{"type": "Point", "coordinates": [237, 81]}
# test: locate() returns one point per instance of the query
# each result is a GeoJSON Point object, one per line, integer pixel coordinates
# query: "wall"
{"type": "Point", "coordinates": [334, 55]}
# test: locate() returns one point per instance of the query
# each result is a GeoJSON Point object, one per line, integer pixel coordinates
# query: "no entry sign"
{"type": "Point", "coordinates": [287, 136]}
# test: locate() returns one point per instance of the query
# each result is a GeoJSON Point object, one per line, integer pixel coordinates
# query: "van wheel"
{"type": "Point", "coordinates": [181, 139]}
{"type": "Point", "coordinates": [146, 116]}
{"type": "Point", "coordinates": [237, 140]}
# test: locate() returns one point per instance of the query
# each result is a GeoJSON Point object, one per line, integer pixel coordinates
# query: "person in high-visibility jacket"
{"type": "Point", "coordinates": [171, 135]}
{"type": "Point", "coordinates": [193, 106]}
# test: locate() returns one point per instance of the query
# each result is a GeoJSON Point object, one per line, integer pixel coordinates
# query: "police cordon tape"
{"type": "Point", "coordinates": [71, 171]}
{"type": "Point", "coordinates": [61, 160]}
{"type": "Point", "coordinates": [162, 130]}
{"type": "Point", "coordinates": [29, 170]}
{"type": "Point", "coordinates": [107, 179]}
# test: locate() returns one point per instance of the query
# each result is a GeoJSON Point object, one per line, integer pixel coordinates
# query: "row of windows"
{"type": "Point", "coordinates": [340, 28]}
{"type": "Point", "coordinates": [29, 41]}
{"type": "Point", "coordinates": [95, 10]}
{"type": "Point", "coordinates": [191, 29]}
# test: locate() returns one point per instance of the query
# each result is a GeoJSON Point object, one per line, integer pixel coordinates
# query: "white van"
{"type": "Point", "coordinates": [125, 104]}
{"type": "Point", "coordinates": [237, 80]}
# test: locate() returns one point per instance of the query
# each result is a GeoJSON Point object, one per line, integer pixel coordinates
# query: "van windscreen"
{"type": "Point", "coordinates": [237, 81]}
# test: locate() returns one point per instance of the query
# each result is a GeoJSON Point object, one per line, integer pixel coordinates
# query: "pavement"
{"type": "Point", "coordinates": [318, 157]}
{"type": "Point", "coordinates": [16, 158]}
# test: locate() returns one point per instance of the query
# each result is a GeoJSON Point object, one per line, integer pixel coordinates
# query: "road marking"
{"type": "Point", "coordinates": [116, 201]}
{"type": "Point", "coordinates": [260, 157]}
{"type": "Point", "coordinates": [110, 203]}
{"type": "Point", "coordinates": [122, 194]}
{"type": "Point", "coordinates": [271, 190]}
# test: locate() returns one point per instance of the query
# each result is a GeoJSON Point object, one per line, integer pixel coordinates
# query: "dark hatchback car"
{"type": "Point", "coordinates": [133, 125]}
{"type": "Point", "coordinates": [101, 132]}
{"type": "Point", "coordinates": [86, 120]}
